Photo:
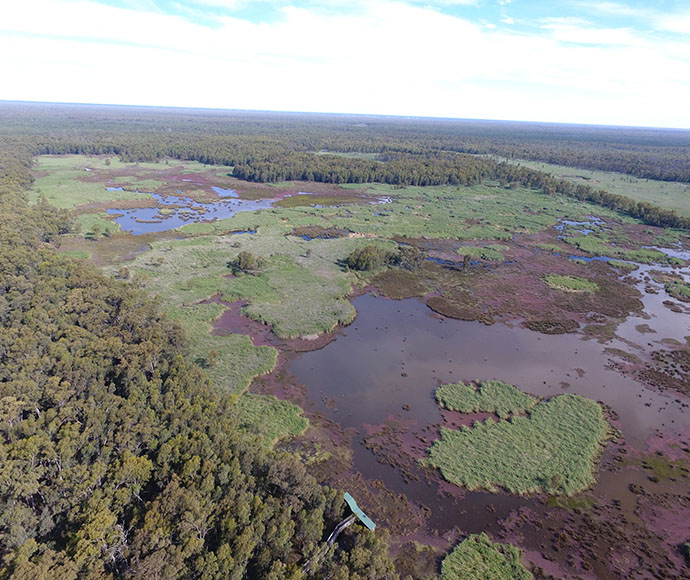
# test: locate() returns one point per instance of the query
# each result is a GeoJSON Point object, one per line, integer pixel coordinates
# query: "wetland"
{"type": "Point", "coordinates": [573, 316]}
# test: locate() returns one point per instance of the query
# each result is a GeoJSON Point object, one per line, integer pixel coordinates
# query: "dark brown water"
{"type": "Point", "coordinates": [397, 353]}
{"type": "Point", "coordinates": [362, 370]}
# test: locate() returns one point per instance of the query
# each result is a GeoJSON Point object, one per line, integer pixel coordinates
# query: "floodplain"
{"type": "Point", "coordinates": [574, 304]}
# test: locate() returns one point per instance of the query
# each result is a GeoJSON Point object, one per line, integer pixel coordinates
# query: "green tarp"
{"type": "Point", "coordinates": [364, 518]}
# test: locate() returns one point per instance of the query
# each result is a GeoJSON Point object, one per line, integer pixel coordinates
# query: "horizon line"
{"type": "Point", "coordinates": [336, 114]}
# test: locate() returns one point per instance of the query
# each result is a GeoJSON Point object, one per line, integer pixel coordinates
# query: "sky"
{"type": "Point", "coordinates": [572, 61]}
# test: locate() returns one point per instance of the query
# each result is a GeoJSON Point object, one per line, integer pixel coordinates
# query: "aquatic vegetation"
{"type": "Point", "coordinates": [553, 449]}
{"type": "Point", "coordinates": [549, 247]}
{"type": "Point", "coordinates": [628, 266]}
{"type": "Point", "coordinates": [485, 253]}
{"type": "Point", "coordinates": [478, 557]}
{"type": "Point", "coordinates": [661, 468]}
{"type": "Point", "coordinates": [398, 284]}
{"type": "Point", "coordinates": [562, 326]}
{"type": "Point", "coordinates": [460, 304]}
{"type": "Point", "coordinates": [570, 283]}
{"type": "Point", "coordinates": [594, 245]}
{"type": "Point", "coordinates": [489, 396]}
{"type": "Point", "coordinates": [685, 550]}
{"type": "Point", "coordinates": [679, 289]}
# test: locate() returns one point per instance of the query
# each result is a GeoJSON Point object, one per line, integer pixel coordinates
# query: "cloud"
{"type": "Point", "coordinates": [649, 17]}
{"type": "Point", "coordinates": [379, 56]}
{"type": "Point", "coordinates": [614, 8]}
{"type": "Point", "coordinates": [447, 2]}
{"type": "Point", "coordinates": [673, 22]}
{"type": "Point", "coordinates": [580, 31]}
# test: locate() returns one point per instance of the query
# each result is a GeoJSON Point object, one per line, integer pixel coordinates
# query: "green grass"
{"type": "Point", "coordinates": [679, 290]}
{"type": "Point", "coordinates": [75, 254]}
{"type": "Point", "coordinates": [666, 194]}
{"type": "Point", "coordinates": [301, 291]}
{"type": "Point", "coordinates": [62, 187]}
{"type": "Point", "coordinates": [549, 247]}
{"type": "Point", "coordinates": [627, 266]}
{"type": "Point", "coordinates": [477, 558]}
{"type": "Point", "coordinates": [142, 185]}
{"type": "Point", "coordinates": [270, 418]}
{"type": "Point", "coordinates": [487, 396]}
{"type": "Point", "coordinates": [230, 361]}
{"type": "Point", "coordinates": [88, 220]}
{"type": "Point", "coordinates": [570, 283]}
{"type": "Point", "coordinates": [553, 449]}
{"type": "Point", "coordinates": [295, 299]}
{"type": "Point", "coordinates": [482, 212]}
{"type": "Point", "coordinates": [478, 212]}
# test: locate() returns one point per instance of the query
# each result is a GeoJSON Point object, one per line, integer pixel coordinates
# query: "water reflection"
{"type": "Point", "coordinates": [175, 211]}
{"type": "Point", "coordinates": [396, 353]}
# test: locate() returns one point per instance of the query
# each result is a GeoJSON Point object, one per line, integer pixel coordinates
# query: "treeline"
{"type": "Point", "coordinates": [117, 459]}
{"type": "Point", "coordinates": [394, 169]}
{"type": "Point", "coordinates": [241, 137]}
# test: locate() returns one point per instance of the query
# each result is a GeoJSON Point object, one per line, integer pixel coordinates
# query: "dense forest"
{"type": "Point", "coordinates": [117, 459]}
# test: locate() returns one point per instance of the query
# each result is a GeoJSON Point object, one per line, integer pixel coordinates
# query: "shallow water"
{"type": "Point", "coordinates": [184, 210]}
{"type": "Point", "coordinates": [389, 338]}
{"type": "Point", "coordinates": [592, 223]}
{"type": "Point", "coordinates": [398, 352]}
{"type": "Point", "coordinates": [658, 318]}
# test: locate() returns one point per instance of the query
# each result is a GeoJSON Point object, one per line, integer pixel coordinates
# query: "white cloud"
{"type": "Point", "coordinates": [678, 21]}
{"type": "Point", "coordinates": [507, 20]}
{"type": "Point", "coordinates": [382, 56]}
{"type": "Point", "coordinates": [565, 21]}
{"type": "Point", "coordinates": [576, 30]}
{"type": "Point", "coordinates": [673, 22]}
{"type": "Point", "coordinates": [447, 2]}
{"type": "Point", "coordinates": [614, 8]}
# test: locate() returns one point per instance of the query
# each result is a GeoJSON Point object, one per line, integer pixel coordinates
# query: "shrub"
{"type": "Point", "coordinates": [247, 262]}
{"type": "Point", "coordinates": [369, 257]}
